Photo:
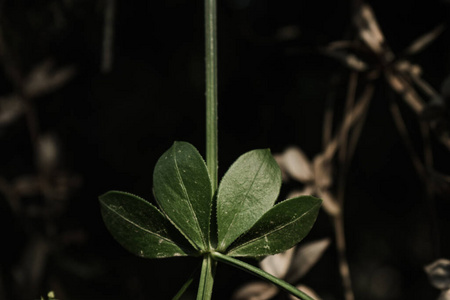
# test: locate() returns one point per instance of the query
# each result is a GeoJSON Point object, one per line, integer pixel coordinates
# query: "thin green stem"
{"type": "Point", "coordinates": [206, 278]}
{"type": "Point", "coordinates": [183, 289]}
{"type": "Point", "coordinates": [260, 273]}
{"type": "Point", "coordinates": [186, 284]}
{"type": "Point", "coordinates": [211, 91]}
{"type": "Point", "coordinates": [209, 265]}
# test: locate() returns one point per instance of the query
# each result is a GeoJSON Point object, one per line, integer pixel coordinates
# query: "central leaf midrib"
{"type": "Point", "coordinates": [272, 231]}
{"type": "Point", "coordinates": [188, 199]}
{"type": "Point", "coordinates": [242, 201]}
{"type": "Point", "coordinates": [138, 226]}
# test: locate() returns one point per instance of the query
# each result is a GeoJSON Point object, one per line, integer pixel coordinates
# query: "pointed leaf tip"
{"type": "Point", "coordinates": [286, 224]}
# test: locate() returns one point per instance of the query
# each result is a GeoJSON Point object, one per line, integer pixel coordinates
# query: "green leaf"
{"type": "Point", "coordinates": [183, 191]}
{"type": "Point", "coordinates": [286, 224]}
{"type": "Point", "coordinates": [140, 227]}
{"type": "Point", "coordinates": [248, 190]}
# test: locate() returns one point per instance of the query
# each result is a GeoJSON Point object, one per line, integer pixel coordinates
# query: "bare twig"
{"type": "Point", "coordinates": [423, 41]}
{"type": "Point", "coordinates": [350, 101]}
{"type": "Point", "coordinates": [429, 189]}
{"type": "Point", "coordinates": [403, 131]}
{"type": "Point", "coordinates": [45, 78]}
{"type": "Point", "coordinates": [349, 120]}
{"type": "Point", "coordinates": [425, 86]}
{"type": "Point", "coordinates": [422, 169]}
{"type": "Point", "coordinates": [402, 87]}
{"type": "Point", "coordinates": [344, 162]}
{"type": "Point", "coordinates": [357, 130]}
{"type": "Point", "coordinates": [344, 269]}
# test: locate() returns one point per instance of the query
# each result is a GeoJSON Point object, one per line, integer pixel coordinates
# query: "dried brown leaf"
{"type": "Point", "coordinates": [305, 258]}
{"type": "Point", "coordinates": [307, 191]}
{"type": "Point", "coordinates": [406, 66]}
{"type": "Point", "coordinates": [297, 164]}
{"type": "Point", "coordinates": [350, 60]}
{"type": "Point", "coordinates": [322, 172]}
{"type": "Point", "coordinates": [279, 159]}
{"type": "Point", "coordinates": [305, 289]}
{"type": "Point", "coordinates": [403, 88]}
{"type": "Point", "coordinates": [44, 79]}
{"type": "Point", "coordinates": [445, 295]}
{"type": "Point", "coordinates": [369, 31]}
{"type": "Point", "coordinates": [27, 185]}
{"type": "Point", "coordinates": [329, 203]}
{"type": "Point", "coordinates": [423, 41]}
{"type": "Point", "coordinates": [439, 273]}
{"type": "Point", "coordinates": [278, 264]}
{"type": "Point", "coordinates": [48, 153]}
{"type": "Point", "coordinates": [11, 107]}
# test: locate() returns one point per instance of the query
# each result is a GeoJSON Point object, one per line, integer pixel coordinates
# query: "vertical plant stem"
{"type": "Point", "coordinates": [429, 190]}
{"type": "Point", "coordinates": [344, 269]}
{"type": "Point", "coordinates": [344, 162]}
{"type": "Point", "coordinates": [186, 284]}
{"type": "Point", "coordinates": [208, 266]}
{"type": "Point", "coordinates": [403, 131]}
{"type": "Point", "coordinates": [206, 278]}
{"type": "Point", "coordinates": [211, 90]}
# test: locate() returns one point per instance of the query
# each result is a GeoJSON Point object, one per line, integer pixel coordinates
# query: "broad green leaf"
{"type": "Point", "coordinates": [286, 224]}
{"type": "Point", "coordinates": [183, 191]}
{"type": "Point", "coordinates": [140, 227]}
{"type": "Point", "coordinates": [249, 189]}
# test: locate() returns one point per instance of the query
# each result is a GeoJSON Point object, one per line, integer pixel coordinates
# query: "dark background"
{"type": "Point", "coordinates": [272, 90]}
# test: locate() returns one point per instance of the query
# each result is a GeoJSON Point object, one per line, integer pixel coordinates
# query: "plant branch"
{"type": "Point", "coordinates": [344, 162]}
{"type": "Point", "coordinates": [349, 121]}
{"type": "Point", "coordinates": [429, 189]}
{"type": "Point", "coordinates": [260, 273]}
{"type": "Point", "coordinates": [403, 131]}
{"type": "Point", "coordinates": [211, 91]}
{"type": "Point", "coordinates": [186, 284]}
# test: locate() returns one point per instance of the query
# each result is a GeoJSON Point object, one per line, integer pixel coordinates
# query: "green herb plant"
{"type": "Point", "coordinates": [248, 225]}
{"type": "Point", "coordinates": [196, 218]}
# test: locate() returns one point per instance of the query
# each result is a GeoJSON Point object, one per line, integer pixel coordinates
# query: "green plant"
{"type": "Point", "coordinates": [248, 225]}
{"type": "Point", "coordinates": [197, 218]}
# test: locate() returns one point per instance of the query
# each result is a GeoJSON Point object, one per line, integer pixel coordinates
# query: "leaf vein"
{"type": "Point", "coordinates": [138, 226]}
{"type": "Point", "coordinates": [272, 231]}
{"type": "Point", "coordinates": [180, 179]}
{"type": "Point", "coordinates": [240, 204]}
